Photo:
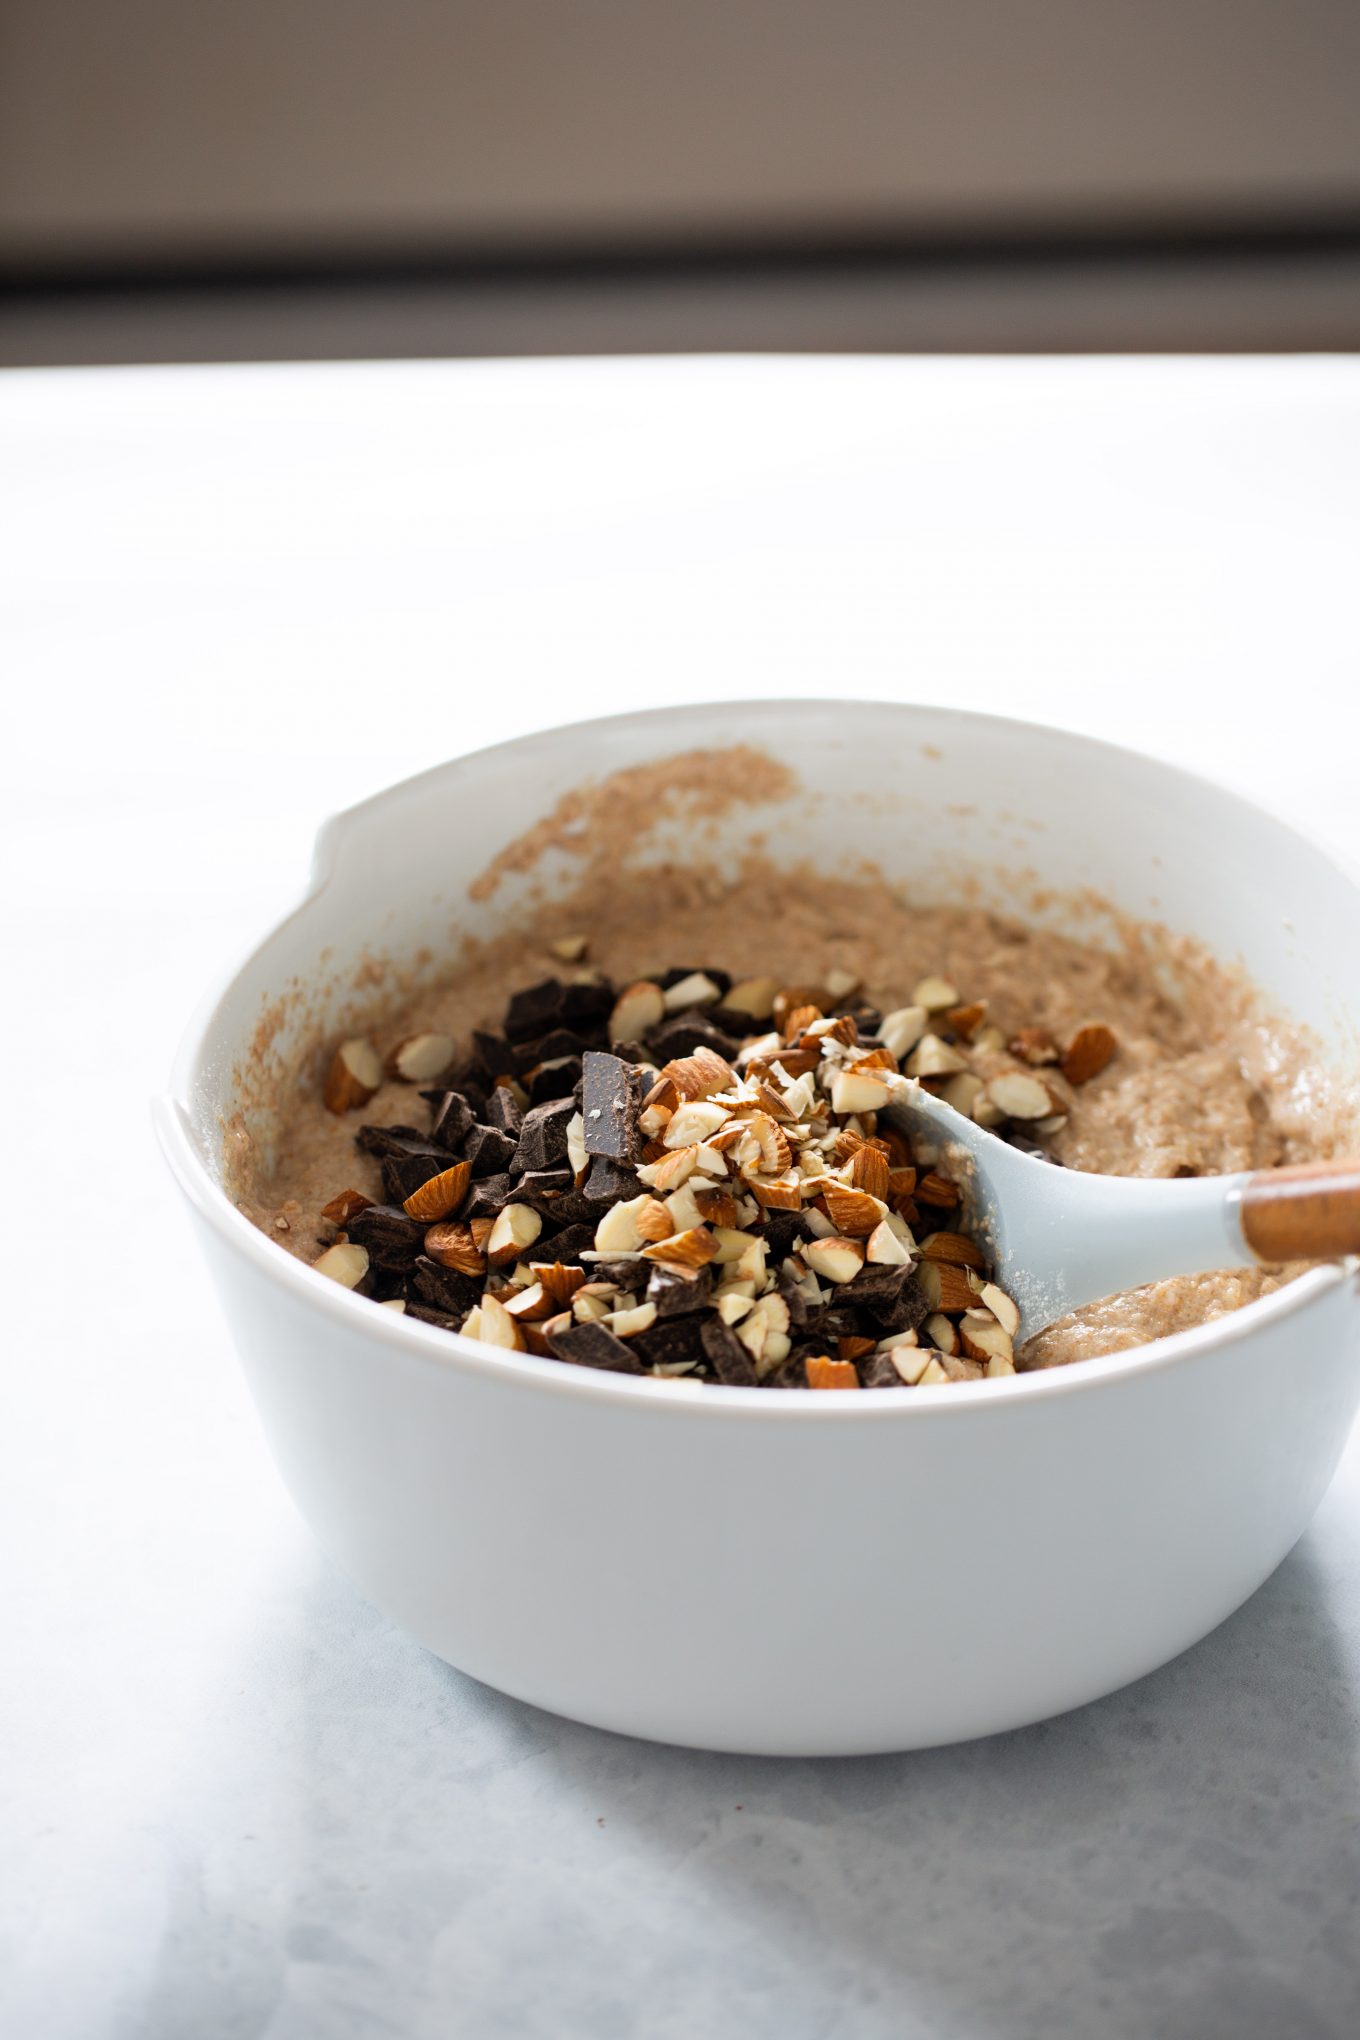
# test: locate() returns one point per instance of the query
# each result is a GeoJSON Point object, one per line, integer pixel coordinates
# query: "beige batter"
{"type": "Point", "coordinates": [1201, 1082]}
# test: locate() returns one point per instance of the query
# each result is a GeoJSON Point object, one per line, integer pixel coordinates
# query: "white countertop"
{"type": "Point", "coordinates": [235, 1802]}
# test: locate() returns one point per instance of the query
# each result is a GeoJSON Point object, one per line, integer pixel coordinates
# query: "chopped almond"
{"type": "Point", "coordinates": [823, 1372]}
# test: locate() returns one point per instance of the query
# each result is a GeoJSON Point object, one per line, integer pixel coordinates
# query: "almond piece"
{"type": "Point", "coordinates": [636, 1011]}
{"type": "Point", "coordinates": [841, 984]}
{"type": "Point", "coordinates": [755, 996]}
{"type": "Point", "coordinates": [1035, 1046]}
{"type": "Point", "coordinates": [716, 1207]}
{"type": "Point", "coordinates": [496, 1327]}
{"type": "Point", "coordinates": [672, 1167]}
{"type": "Point", "coordinates": [936, 1189]}
{"type": "Point", "coordinates": [931, 1375]}
{"type": "Point", "coordinates": [422, 1057]}
{"type": "Point", "coordinates": [945, 1285]}
{"type": "Point", "coordinates": [834, 1259]}
{"type": "Point", "coordinates": [1019, 1096]}
{"type": "Point", "coordinates": [932, 1057]}
{"type": "Point", "coordinates": [961, 1092]}
{"type": "Point", "coordinates": [440, 1195]}
{"type": "Point", "coordinates": [900, 1031]}
{"type": "Point", "coordinates": [998, 1366]}
{"type": "Point", "coordinates": [799, 1020]}
{"type": "Point", "coordinates": [942, 1332]}
{"type": "Point", "coordinates": [698, 989]}
{"type": "Point", "coordinates": [1003, 1308]}
{"type": "Point", "coordinates": [885, 1249]}
{"type": "Point", "coordinates": [699, 1075]}
{"type": "Point", "coordinates": [869, 1171]}
{"type": "Point", "coordinates": [841, 1027]}
{"type": "Point", "coordinates": [516, 1227]}
{"type": "Point", "coordinates": [453, 1246]}
{"type": "Point", "coordinates": [691, 1249]}
{"type": "Point", "coordinates": [936, 994]}
{"type": "Point", "coordinates": [912, 1362]}
{"type": "Point", "coordinates": [354, 1075]}
{"type": "Point", "coordinates": [983, 1338]}
{"type": "Point", "coordinates": [854, 1213]}
{"type": "Point", "coordinates": [653, 1221]}
{"type": "Point", "coordinates": [694, 1121]}
{"type": "Point", "coordinates": [617, 1232]}
{"type": "Point", "coordinates": [858, 1091]}
{"type": "Point", "coordinates": [952, 1246]}
{"type": "Point", "coordinates": [532, 1304]}
{"type": "Point", "coordinates": [823, 1372]}
{"type": "Point", "coordinates": [626, 1324]}
{"type": "Point", "coordinates": [344, 1263]}
{"type": "Point", "coordinates": [966, 1020]}
{"type": "Point", "coordinates": [345, 1206]}
{"type": "Point", "coordinates": [571, 948]}
{"type": "Point", "coordinates": [396, 1303]}
{"type": "Point", "coordinates": [733, 1306]}
{"type": "Point", "coordinates": [775, 1152]}
{"type": "Point", "coordinates": [1088, 1052]}
{"type": "Point", "coordinates": [560, 1280]}
{"type": "Point", "coordinates": [777, 1193]}
{"type": "Point", "coordinates": [480, 1228]}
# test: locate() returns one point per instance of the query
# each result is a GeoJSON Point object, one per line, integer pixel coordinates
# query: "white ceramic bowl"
{"type": "Point", "coordinates": [795, 1572]}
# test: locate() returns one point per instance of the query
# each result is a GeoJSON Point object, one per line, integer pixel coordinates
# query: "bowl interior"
{"type": "Point", "coordinates": [1051, 827]}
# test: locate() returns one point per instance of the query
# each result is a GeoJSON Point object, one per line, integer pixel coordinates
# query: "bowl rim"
{"type": "Point", "coordinates": [451, 1353]}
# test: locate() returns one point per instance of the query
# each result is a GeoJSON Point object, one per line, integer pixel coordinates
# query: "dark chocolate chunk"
{"type": "Point", "coordinates": [594, 1345]}
{"type": "Point", "coordinates": [781, 1231]}
{"type": "Point", "coordinates": [802, 1310]}
{"type": "Point", "coordinates": [630, 1271]}
{"type": "Point", "coordinates": [393, 1240]}
{"type": "Point", "coordinates": [543, 1136]}
{"type": "Point", "coordinates": [503, 1111]}
{"type": "Point", "coordinates": [672, 1339]}
{"type": "Point", "coordinates": [609, 1182]}
{"type": "Point", "coordinates": [555, 1080]}
{"type": "Point", "coordinates": [558, 1042]}
{"type": "Point", "coordinates": [727, 1356]}
{"type": "Point", "coordinates": [893, 1297]}
{"type": "Point", "coordinates": [678, 974]}
{"type": "Point", "coordinates": [393, 1140]}
{"type": "Point", "coordinates": [486, 1197]}
{"type": "Point", "coordinates": [566, 1246]}
{"type": "Point", "coordinates": [451, 1118]}
{"type": "Point", "coordinates": [534, 1010]}
{"type": "Point", "coordinates": [867, 1020]}
{"type": "Point", "coordinates": [403, 1174]}
{"type": "Point", "coordinates": [567, 1208]}
{"type": "Point", "coordinates": [445, 1287]}
{"type": "Point", "coordinates": [612, 1099]}
{"type": "Point", "coordinates": [495, 1057]}
{"type": "Point", "coordinates": [543, 1188]}
{"type": "Point", "coordinates": [686, 1032]}
{"type": "Point", "coordinates": [489, 1150]}
{"type": "Point", "coordinates": [426, 1314]}
{"type": "Point", "coordinates": [587, 1005]}
{"type": "Point", "coordinates": [678, 1295]}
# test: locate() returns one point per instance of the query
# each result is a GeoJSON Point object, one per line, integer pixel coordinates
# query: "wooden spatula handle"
{"type": "Point", "coordinates": [1307, 1213]}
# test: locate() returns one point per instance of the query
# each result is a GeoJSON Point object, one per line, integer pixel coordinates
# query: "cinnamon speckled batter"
{"type": "Point", "coordinates": [1201, 1082]}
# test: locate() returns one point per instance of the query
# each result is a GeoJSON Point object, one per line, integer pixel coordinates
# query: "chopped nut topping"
{"type": "Point", "coordinates": [721, 1211]}
{"type": "Point", "coordinates": [422, 1057]}
{"type": "Point", "coordinates": [1088, 1052]}
{"type": "Point", "coordinates": [356, 1072]}
{"type": "Point", "coordinates": [345, 1263]}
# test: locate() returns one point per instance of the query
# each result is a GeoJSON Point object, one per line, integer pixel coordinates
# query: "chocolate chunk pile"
{"type": "Point", "coordinates": [689, 1177]}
